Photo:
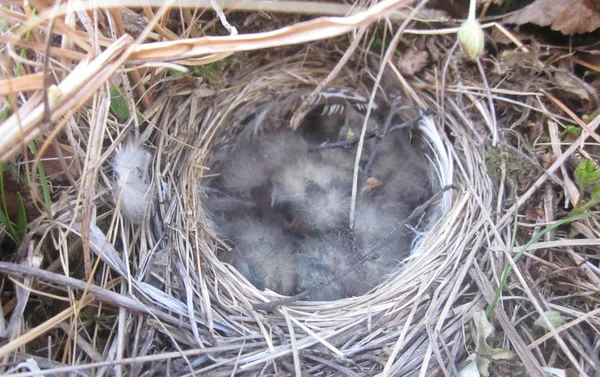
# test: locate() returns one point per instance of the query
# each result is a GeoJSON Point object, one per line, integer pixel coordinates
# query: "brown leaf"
{"type": "Point", "coordinates": [11, 187]}
{"type": "Point", "coordinates": [499, 37]}
{"type": "Point", "coordinates": [572, 85]}
{"type": "Point", "coordinates": [52, 166]}
{"type": "Point", "coordinates": [534, 213]}
{"type": "Point", "coordinates": [412, 62]}
{"type": "Point", "coordinates": [568, 17]}
{"type": "Point", "coordinates": [547, 159]}
{"type": "Point", "coordinates": [133, 23]}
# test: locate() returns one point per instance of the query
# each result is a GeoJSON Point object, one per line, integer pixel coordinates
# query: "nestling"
{"type": "Point", "coordinates": [380, 229]}
{"type": "Point", "coordinates": [323, 258]}
{"type": "Point", "coordinates": [261, 253]}
{"type": "Point", "coordinates": [285, 210]}
{"type": "Point", "coordinates": [403, 171]}
{"type": "Point", "coordinates": [248, 168]}
{"type": "Point", "coordinates": [314, 197]}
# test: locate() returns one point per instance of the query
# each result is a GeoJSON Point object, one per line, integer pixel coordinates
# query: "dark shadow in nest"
{"type": "Point", "coordinates": [282, 199]}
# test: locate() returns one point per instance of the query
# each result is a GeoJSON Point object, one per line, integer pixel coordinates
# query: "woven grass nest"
{"type": "Point", "coordinates": [146, 294]}
{"type": "Point", "coordinates": [348, 336]}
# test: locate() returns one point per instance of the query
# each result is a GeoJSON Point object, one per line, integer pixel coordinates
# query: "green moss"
{"type": "Point", "coordinates": [571, 130]}
{"type": "Point", "coordinates": [519, 173]}
{"type": "Point", "coordinates": [587, 177]}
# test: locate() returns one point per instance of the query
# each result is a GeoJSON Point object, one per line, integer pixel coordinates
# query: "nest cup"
{"type": "Point", "coordinates": [411, 322]}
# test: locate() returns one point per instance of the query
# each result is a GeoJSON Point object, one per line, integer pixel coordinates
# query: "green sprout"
{"type": "Point", "coordinates": [587, 177]}
{"type": "Point", "coordinates": [570, 131]}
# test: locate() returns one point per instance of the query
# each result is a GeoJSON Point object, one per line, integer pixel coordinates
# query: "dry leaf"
{"type": "Point", "coordinates": [485, 353]}
{"type": "Point", "coordinates": [412, 62]}
{"type": "Point", "coordinates": [547, 159]}
{"type": "Point", "coordinates": [534, 213]}
{"type": "Point", "coordinates": [52, 165]}
{"type": "Point", "coordinates": [133, 23]}
{"type": "Point", "coordinates": [572, 85]}
{"type": "Point", "coordinates": [12, 189]}
{"type": "Point", "coordinates": [555, 318]}
{"type": "Point", "coordinates": [499, 37]}
{"type": "Point", "coordinates": [184, 51]}
{"type": "Point", "coordinates": [568, 17]}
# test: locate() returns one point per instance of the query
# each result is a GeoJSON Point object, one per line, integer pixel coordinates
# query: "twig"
{"type": "Point", "coordinates": [494, 124]}
{"type": "Point", "coordinates": [301, 111]}
{"type": "Point", "coordinates": [388, 54]}
{"type": "Point", "coordinates": [408, 123]}
{"type": "Point", "coordinates": [101, 294]}
{"type": "Point", "coordinates": [47, 115]}
{"type": "Point", "coordinates": [375, 151]}
{"type": "Point", "coordinates": [372, 254]}
{"type": "Point", "coordinates": [371, 134]}
{"type": "Point", "coordinates": [340, 144]}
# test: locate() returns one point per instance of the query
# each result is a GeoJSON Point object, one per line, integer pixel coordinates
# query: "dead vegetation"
{"type": "Point", "coordinates": [85, 291]}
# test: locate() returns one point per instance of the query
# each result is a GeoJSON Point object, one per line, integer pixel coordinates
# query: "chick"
{"type": "Point", "coordinates": [313, 196]}
{"type": "Point", "coordinates": [323, 258]}
{"type": "Point", "coordinates": [218, 202]}
{"type": "Point", "coordinates": [332, 108]}
{"type": "Point", "coordinates": [353, 124]}
{"type": "Point", "coordinates": [318, 127]}
{"type": "Point", "coordinates": [245, 172]}
{"type": "Point", "coordinates": [341, 158]}
{"type": "Point", "coordinates": [403, 171]}
{"type": "Point", "coordinates": [262, 254]}
{"type": "Point", "coordinates": [379, 229]}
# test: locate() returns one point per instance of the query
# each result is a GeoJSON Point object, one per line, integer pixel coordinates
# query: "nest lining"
{"type": "Point", "coordinates": [392, 316]}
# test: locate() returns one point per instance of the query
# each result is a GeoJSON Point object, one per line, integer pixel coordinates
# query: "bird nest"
{"type": "Point", "coordinates": [411, 321]}
{"type": "Point", "coordinates": [146, 293]}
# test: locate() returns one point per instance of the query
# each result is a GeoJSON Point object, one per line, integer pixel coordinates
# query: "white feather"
{"type": "Point", "coordinates": [443, 163]}
{"type": "Point", "coordinates": [131, 181]}
{"type": "Point", "coordinates": [443, 166]}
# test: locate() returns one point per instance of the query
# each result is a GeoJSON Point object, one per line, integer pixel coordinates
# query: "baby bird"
{"type": "Point", "coordinates": [262, 254]}
{"type": "Point", "coordinates": [323, 258]}
{"type": "Point", "coordinates": [285, 210]}
{"type": "Point", "coordinates": [379, 229]}
{"type": "Point", "coordinates": [353, 124]}
{"type": "Point", "coordinates": [313, 196]}
{"type": "Point", "coordinates": [342, 158]}
{"type": "Point", "coordinates": [332, 108]}
{"type": "Point", "coordinates": [245, 172]}
{"type": "Point", "coordinates": [403, 171]}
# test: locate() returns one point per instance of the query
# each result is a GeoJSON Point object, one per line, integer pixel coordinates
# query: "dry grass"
{"type": "Point", "coordinates": [85, 291]}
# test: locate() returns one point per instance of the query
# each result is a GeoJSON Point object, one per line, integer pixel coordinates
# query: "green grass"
{"type": "Point", "coordinates": [587, 177]}
{"type": "Point", "coordinates": [16, 229]}
{"type": "Point", "coordinates": [43, 179]}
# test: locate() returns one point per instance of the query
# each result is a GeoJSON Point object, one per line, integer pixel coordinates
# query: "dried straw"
{"type": "Point", "coordinates": [154, 299]}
